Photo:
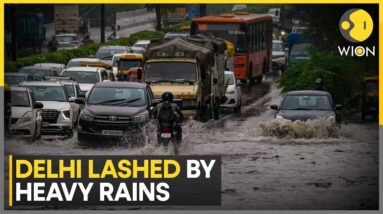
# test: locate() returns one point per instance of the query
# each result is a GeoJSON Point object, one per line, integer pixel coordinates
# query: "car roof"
{"type": "Point", "coordinates": [34, 67]}
{"type": "Point", "coordinates": [18, 88]}
{"type": "Point", "coordinates": [41, 83]}
{"type": "Point", "coordinates": [121, 84]}
{"type": "Point", "coordinates": [114, 47]}
{"type": "Point", "coordinates": [16, 74]}
{"type": "Point", "coordinates": [83, 68]}
{"type": "Point", "coordinates": [84, 59]}
{"type": "Point", "coordinates": [66, 34]}
{"type": "Point", "coordinates": [143, 41]}
{"type": "Point", "coordinates": [49, 64]}
{"type": "Point", "coordinates": [307, 92]}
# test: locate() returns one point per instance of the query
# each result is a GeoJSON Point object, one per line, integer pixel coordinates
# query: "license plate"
{"type": "Point", "coordinates": [166, 135]}
{"type": "Point", "coordinates": [45, 124]}
{"type": "Point", "coordinates": [112, 132]}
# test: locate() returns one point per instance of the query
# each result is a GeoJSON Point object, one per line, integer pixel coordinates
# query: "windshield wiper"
{"type": "Point", "coordinates": [108, 101]}
{"type": "Point", "coordinates": [300, 109]}
{"type": "Point", "coordinates": [163, 80]}
{"type": "Point", "coordinates": [184, 80]}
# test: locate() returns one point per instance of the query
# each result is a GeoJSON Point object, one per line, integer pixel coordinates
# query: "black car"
{"type": "Point", "coordinates": [307, 105]}
{"type": "Point", "coordinates": [115, 110]}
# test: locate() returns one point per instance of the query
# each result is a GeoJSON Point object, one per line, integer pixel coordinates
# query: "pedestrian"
{"type": "Point", "coordinates": [53, 44]}
{"type": "Point", "coordinates": [87, 40]}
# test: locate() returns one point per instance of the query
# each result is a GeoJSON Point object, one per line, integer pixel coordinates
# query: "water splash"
{"type": "Point", "coordinates": [318, 129]}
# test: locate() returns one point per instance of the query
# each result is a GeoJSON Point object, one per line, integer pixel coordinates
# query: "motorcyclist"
{"type": "Point", "coordinates": [319, 85]}
{"type": "Point", "coordinates": [162, 116]}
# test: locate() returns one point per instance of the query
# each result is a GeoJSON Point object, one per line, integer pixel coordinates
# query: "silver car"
{"type": "Point", "coordinates": [26, 118]}
{"type": "Point", "coordinates": [57, 113]}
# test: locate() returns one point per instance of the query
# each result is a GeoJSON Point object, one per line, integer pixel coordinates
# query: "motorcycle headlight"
{"type": "Point", "coordinates": [279, 117]}
{"type": "Point", "coordinates": [85, 115]}
{"type": "Point", "coordinates": [26, 117]}
{"type": "Point", "coordinates": [66, 113]}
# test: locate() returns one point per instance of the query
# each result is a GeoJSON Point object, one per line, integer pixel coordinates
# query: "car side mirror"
{"type": "Point", "coordinates": [80, 101]}
{"type": "Point", "coordinates": [274, 107]}
{"type": "Point", "coordinates": [91, 56]}
{"type": "Point", "coordinates": [286, 49]}
{"type": "Point", "coordinates": [72, 99]}
{"type": "Point", "coordinates": [338, 107]}
{"type": "Point", "coordinates": [81, 95]}
{"type": "Point", "coordinates": [239, 84]}
{"type": "Point", "coordinates": [38, 105]}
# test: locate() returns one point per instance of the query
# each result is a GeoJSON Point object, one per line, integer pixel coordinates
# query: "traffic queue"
{"type": "Point", "coordinates": [114, 94]}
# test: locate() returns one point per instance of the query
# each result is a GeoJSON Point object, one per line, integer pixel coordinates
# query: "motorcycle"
{"type": "Point", "coordinates": [170, 132]}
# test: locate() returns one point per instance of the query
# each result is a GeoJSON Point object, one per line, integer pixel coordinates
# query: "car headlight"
{"type": "Point", "coordinates": [85, 115]}
{"type": "Point", "coordinates": [26, 117]}
{"type": "Point", "coordinates": [279, 117]}
{"type": "Point", "coordinates": [230, 92]}
{"type": "Point", "coordinates": [140, 118]}
{"type": "Point", "coordinates": [331, 119]}
{"type": "Point", "coordinates": [66, 113]}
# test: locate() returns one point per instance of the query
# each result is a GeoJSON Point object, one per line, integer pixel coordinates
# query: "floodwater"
{"type": "Point", "coordinates": [310, 167]}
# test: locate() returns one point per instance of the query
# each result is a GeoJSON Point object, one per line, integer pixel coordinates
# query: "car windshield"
{"type": "Point", "coordinates": [66, 38]}
{"type": "Point", "coordinates": [14, 80]}
{"type": "Point", "coordinates": [127, 64]}
{"type": "Point", "coordinates": [170, 72]}
{"type": "Point", "coordinates": [70, 90]}
{"type": "Point", "coordinates": [38, 75]}
{"type": "Point", "coordinates": [107, 54]}
{"type": "Point", "coordinates": [277, 46]}
{"type": "Point", "coordinates": [301, 49]}
{"type": "Point", "coordinates": [73, 63]}
{"type": "Point", "coordinates": [83, 76]}
{"type": "Point", "coordinates": [229, 78]}
{"type": "Point", "coordinates": [20, 99]}
{"type": "Point", "coordinates": [49, 93]}
{"type": "Point", "coordinates": [306, 102]}
{"type": "Point", "coordinates": [114, 96]}
{"type": "Point", "coordinates": [372, 87]}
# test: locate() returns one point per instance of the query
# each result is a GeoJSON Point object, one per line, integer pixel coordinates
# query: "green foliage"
{"type": "Point", "coordinates": [65, 55]}
{"type": "Point", "coordinates": [342, 77]}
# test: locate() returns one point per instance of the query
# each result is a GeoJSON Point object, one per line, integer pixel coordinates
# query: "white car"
{"type": "Point", "coordinates": [68, 41]}
{"type": "Point", "coordinates": [142, 43]}
{"type": "Point", "coordinates": [279, 56]}
{"type": "Point", "coordinates": [26, 118]}
{"type": "Point", "coordinates": [57, 66]}
{"type": "Point", "coordinates": [57, 113]}
{"type": "Point", "coordinates": [86, 77]}
{"type": "Point", "coordinates": [77, 62]}
{"type": "Point", "coordinates": [233, 92]}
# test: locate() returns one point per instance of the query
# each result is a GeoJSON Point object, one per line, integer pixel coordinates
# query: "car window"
{"type": "Point", "coordinates": [82, 76]}
{"type": "Point", "coordinates": [49, 93]}
{"type": "Point", "coordinates": [14, 80]}
{"type": "Point", "coordinates": [117, 96]}
{"type": "Point", "coordinates": [277, 47]}
{"type": "Point", "coordinates": [66, 38]}
{"type": "Point", "coordinates": [38, 75]}
{"type": "Point", "coordinates": [229, 78]}
{"type": "Point", "coordinates": [70, 90]}
{"type": "Point", "coordinates": [107, 54]}
{"type": "Point", "coordinates": [20, 99]}
{"type": "Point", "coordinates": [306, 102]}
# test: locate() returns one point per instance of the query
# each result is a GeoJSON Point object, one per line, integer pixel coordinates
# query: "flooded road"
{"type": "Point", "coordinates": [261, 171]}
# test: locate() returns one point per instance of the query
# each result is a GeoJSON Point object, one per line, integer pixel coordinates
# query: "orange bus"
{"type": "Point", "coordinates": [251, 35]}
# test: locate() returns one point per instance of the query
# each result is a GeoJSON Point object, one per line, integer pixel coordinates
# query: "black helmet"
{"type": "Point", "coordinates": [167, 96]}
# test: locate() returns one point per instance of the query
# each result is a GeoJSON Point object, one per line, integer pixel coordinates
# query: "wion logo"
{"type": "Point", "coordinates": [356, 26]}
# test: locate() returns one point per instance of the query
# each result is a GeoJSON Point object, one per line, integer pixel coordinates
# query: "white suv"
{"type": "Point", "coordinates": [26, 114]}
{"type": "Point", "coordinates": [57, 113]}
